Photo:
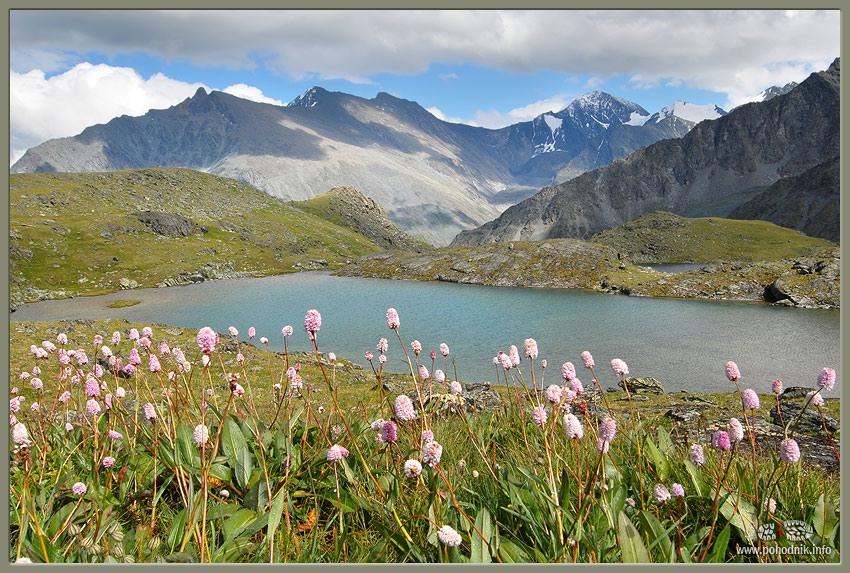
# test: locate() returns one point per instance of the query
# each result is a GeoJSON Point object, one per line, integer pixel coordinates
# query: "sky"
{"type": "Point", "coordinates": [491, 68]}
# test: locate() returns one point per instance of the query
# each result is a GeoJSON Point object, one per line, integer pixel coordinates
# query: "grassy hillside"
{"type": "Point", "coordinates": [75, 234]}
{"type": "Point", "coordinates": [350, 208]}
{"type": "Point", "coordinates": [664, 237]}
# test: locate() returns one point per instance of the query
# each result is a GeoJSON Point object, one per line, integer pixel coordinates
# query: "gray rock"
{"type": "Point", "coordinates": [810, 422]}
{"type": "Point", "coordinates": [684, 414]}
{"type": "Point", "coordinates": [167, 224]}
{"type": "Point", "coordinates": [126, 283]}
{"type": "Point", "coordinates": [699, 400]}
{"type": "Point", "coordinates": [795, 392]}
{"type": "Point", "coordinates": [648, 385]}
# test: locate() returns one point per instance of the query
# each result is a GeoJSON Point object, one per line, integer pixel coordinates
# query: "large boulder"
{"type": "Point", "coordinates": [167, 224]}
{"type": "Point", "coordinates": [810, 423]}
{"type": "Point", "coordinates": [648, 385]}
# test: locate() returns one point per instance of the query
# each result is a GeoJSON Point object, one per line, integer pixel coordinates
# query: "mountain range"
{"type": "Point", "coordinates": [435, 178]}
{"type": "Point", "coordinates": [774, 160]}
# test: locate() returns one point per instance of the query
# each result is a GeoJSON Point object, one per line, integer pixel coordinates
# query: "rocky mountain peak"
{"type": "Point", "coordinates": [309, 98]}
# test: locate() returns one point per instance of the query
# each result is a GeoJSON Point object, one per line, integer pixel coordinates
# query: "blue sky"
{"type": "Point", "coordinates": [71, 69]}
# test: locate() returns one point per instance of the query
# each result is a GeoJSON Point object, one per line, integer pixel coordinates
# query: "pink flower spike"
{"type": "Point", "coordinates": [721, 441]}
{"type": "Point", "coordinates": [404, 408]}
{"type": "Point", "coordinates": [455, 388]}
{"type": "Point", "coordinates": [568, 371]}
{"type": "Point", "coordinates": [79, 488]}
{"type": "Point", "coordinates": [207, 340]}
{"type": "Point", "coordinates": [233, 332]}
{"type": "Point", "coordinates": [750, 399]}
{"type": "Point", "coordinates": [513, 354]}
{"type": "Point", "coordinates": [336, 453]}
{"type": "Point", "coordinates": [530, 347]}
{"type": "Point", "coordinates": [286, 330]}
{"type": "Point", "coordinates": [444, 349]}
{"type": "Point", "coordinates": [777, 387]}
{"type": "Point", "coordinates": [108, 461]}
{"type": "Point", "coordinates": [423, 372]}
{"type": "Point", "coordinates": [539, 416]}
{"type": "Point", "coordinates": [393, 320]}
{"type": "Point", "coordinates": [587, 359]}
{"type": "Point", "coordinates": [789, 451]}
{"type": "Point", "coordinates": [732, 372]}
{"type": "Point", "coordinates": [252, 332]}
{"type": "Point", "coordinates": [661, 493]}
{"type": "Point", "coordinates": [369, 355]}
{"type": "Point", "coordinates": [826, 379]}
{"type": "Point", "coordinates": [449, 537]}
{"type": "Point", "coordinates": [431, 453]}
{"type": "Point", "coordinates": [313, 321]}
{"type": "Point", "coordinates": [697, 455]}
{"type": "Point", "coordinates": [619, 367]}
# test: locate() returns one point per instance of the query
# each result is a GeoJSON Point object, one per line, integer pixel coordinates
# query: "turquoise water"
{"type": "Point", "coordinates": [683, 343]}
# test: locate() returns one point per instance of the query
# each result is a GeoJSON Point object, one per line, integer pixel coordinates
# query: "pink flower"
{"type": "Point", "coordinates": [107, 400]}
{"type": "Point", "coordinates": [608, 429]}
{"type": "Point", "coordinates": [423, 372]}
{"type": "Point", "coordinates": [389, 432]}
{"type": "Point", "coordinates": [602, 446]}
{"type": "Point", "coordinates": [382, 358]}
{"type": "Point", "coordinates": [114, 435]}
{"type": "Point", "coordinates": [789, 451]}
{"type": "Point", "coordinates": [444, 349]}
{"type": "Point", "coordinates": [64, 357]}
{"type": "Point", "coordinates": [377, 425]}
{"type": "Point", "coordinates": [427, 436]}
{"type": "Point", "coordinates": [251, 332]}
{"type": "Point", "coordinates": [134, 359]}
{"type": "Point", "coordinates": [412, 468]}
{"type": "Point", "coordinates": [539, 416]}
{"type": "Point", "coordinates": [98, 339]}
{"type": "Point", "coordinates": [82, 359]}
{"type": "Point", "coordinates": [554, 393]}
{"type": "Point", "coordinates": [576, 386]}
{"type": "Point", "coordinates": [65, 397]}
{"type": "Point", "coordinates": [35, 407]}
{"type": "Point", "coordinates": [455, 388]}
{"type": "Point", "coordinates": [826, 379]}
{"type": "Point", "coordinates": [264, 340]}
{"type": "Point", "coordinates": [732, 372]}
{"type": "Point", "coordinates": [92, 407]}
{"type": "Point", "coordinates": [721, 441]}
{"type": "Point", "coordinates": [513, 354]}
{"type": "Point", "coordinates": [736, 430]}
{"type": "Point", "coordinates": [134, 334]}
{"type": "Point", "coordinates": [20, 435]}
{"type": "Point", "coordinates": [678, 490]}
{"type": "Point", "coordinates": [392, 318]}
{"type": "Point", "coordinates": [697, 455]}
{"type": "Point", "coordinates": [777, 387]}
{"type": "Point", "coordinates": [69, 427]}
{"type": "Point", "coordinates": [369, 355]}
{"type": "Point", "coordinates": [750, 399]}
{"type": "Point", "coordinates": [150, 411]}
{"type": "Point", "coordinates": [568, 371]}
{"type": "Point", "coordinates": [48, 346]}
{"type": "Point", "coordinates": [630, 501]}
{"type": "Point", "coordinates": [431, 453]}
{"type": "Point", "coordinates": [62, 338]}
{"type": "Point", "coordinates": [37, 384]}
{"type": "Point", "coordinates": [383, 345]}
{"type": "Point", "coordinates": [661, 493]}
{"type": "Point", "coordinates": [79, 488]}
{"type": "Point", "coordinates": [295, 384]}
{"type": "Point", "coordinates": [530, 348]}
{"type": "Point", "coordinates": [312, 322]}
{"type": "Point", "coordinates": [572, 427]}
{"type": "Point", "coordinates": [439, 376]}
{"type": "Point", "coordinates": [543, 363]}
{"type": "Point", "coordinates": [207, 340]}
{"type": "Point", "coordinates": [120, 392]}
{"type": "Point", "coordinates": [495, 361]}
{"type": "Point", "coordinates": [587, 359]}
{"type": "Point", "coordinates": [116, 338]}
{"type": "Point", "coordinates": [153, 363]}
{"type": "Point", "coordinates": [619, 367]}
{"type": "Point", "coordinates": [505, 360]}
{"type": "Point", "coordinates": [416, 346]}
{"type": "Point", "coordinates": [108, 461]}
{"type": "Point", "coordinates": [286, 330]}
{"type": "Point", "coordinates": [239, 391]}
{"type": "Point", "coordinates": [433, 355]}
{"type": "Point", "coordinates": [14, 405]}
{"type": "Point", "coordinates": [770, 505]}
{"type": "Point", "coordinates": [233, 332]}
{"type": "Point", "coordinates": [144, 342]}
{"type": "Point", "coordinates": [449, 537]}
{"type": "Point", "coordinates": [200, 435]}
{"type": "Point", "coordinates": [336, 453]}
{"type": "Point", "coordinates": [814, 398]}
{"type": "Point", "coordinates": [147, 332]}
{"type": "Point", "coordinates": [404, 408]}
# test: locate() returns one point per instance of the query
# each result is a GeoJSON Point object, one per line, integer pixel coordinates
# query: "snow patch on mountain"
{"type": "Point", "coordinates": [688, 112]}
{"type": "Point", "coordinates": [637, 119]}
{"type": "Point", "coordinates": [553, 122]}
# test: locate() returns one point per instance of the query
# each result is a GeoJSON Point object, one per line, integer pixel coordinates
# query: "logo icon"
{"type": "Point", "coordinates": [767, 531]}
{"type": "Point", "coordinates": [797, 530]}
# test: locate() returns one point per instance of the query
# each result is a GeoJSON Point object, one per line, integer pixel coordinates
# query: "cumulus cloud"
{"type": "Point", "coordinates": [703, 48]}
{"type": "Point", "coordinates": [437, 112]}
{"type": "Point", "coordinates": [42, 108]}
{"type": "Point", "coordinates": [495, 119]}
{"type": "Point", "coordinates": [250, 92]}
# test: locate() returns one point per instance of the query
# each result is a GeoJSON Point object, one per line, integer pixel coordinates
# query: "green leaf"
{"type": "Point", "coordinates": [480, 552]}
{"type": "Point", "coordinates": [631, 545]}
{"type": "Point", "coordinates": [824, 519]}
{"type": "Point", "coordinates": [696, 478]}
{"type": "Point", "coordinates": [743, 517]}
{"type": "Point", "coordinates": [718, 553]}
{"type": "Point", "coordinates": [665, 444]}
{"type": "Point", "coordinates": [232, 441]}
{"type": "Point", "coordinates": [275, 513]}
{"type": "Point", "coordinates": [236, 523]}
{"type": "Point", "coordinates": [658, 536]}
{"type": "Point", "coordinates": [178, 527]}
{"type": "Point", "coordinates": [187, 450]}
{"type": "Point", "coordinates": [659, 460]}
{"type": "Point", "coordinates": [510, 552]}
{"type": "Point", "coordinates": [244, 468]}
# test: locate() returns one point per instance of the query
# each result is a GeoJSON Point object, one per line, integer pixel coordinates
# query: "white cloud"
{"type": "Point", "coordinates": [704, 48]}
{"type": "Point", "coordinates": [42, 108]}
{"type": "Point", "coordinates": [495, 119]}
{"type": "Point", "coordinates": [250, 93]}
{"type": "Point", "coordinates": [437, 112]}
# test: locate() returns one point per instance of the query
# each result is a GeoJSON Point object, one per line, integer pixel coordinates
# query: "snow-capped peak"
{"type": "Point", "coordinates": [687, 111]}
{"type": "Point", "coordinates": [308, 99]}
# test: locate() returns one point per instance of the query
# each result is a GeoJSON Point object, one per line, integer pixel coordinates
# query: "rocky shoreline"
{"type": "Point", "coordinates": [803, 282]}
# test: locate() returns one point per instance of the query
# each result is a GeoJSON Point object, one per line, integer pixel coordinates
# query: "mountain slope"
{"type": "Point", "coordinates": [716, 167]}
{"type": "Point", "coordinates": [809, 203]}
{"type": "Point", "coordinates": [89, 233]}
{"type": "Point", "coordinates": [435, 178]}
